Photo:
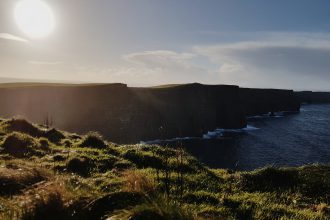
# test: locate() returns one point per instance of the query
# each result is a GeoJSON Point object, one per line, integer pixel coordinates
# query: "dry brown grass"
{"type": "Point", "coordinates": [135, 181]}
{"type": "Point", "coordinates": [51, 199]}
{"type": "Point", "coordinates": [47, 200]}
{"type": "Point", "coordinates": [38, 194]}
{"type": "Point", "coordinates": [14, 178]}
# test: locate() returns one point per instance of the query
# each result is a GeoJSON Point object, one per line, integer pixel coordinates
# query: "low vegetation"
{"type": "Point", "coordinates": [50, 174]}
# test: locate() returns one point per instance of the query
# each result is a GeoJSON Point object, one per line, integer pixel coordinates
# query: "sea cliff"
{"type": "Point", "coordinates": [127, 114]}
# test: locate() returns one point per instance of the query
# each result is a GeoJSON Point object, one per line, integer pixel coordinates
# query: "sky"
{"type": "Point", "coordinates": [255, 43]}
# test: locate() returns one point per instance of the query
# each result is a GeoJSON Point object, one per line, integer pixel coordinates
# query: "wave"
{"type": "Point", "coordinates": [220, 132]}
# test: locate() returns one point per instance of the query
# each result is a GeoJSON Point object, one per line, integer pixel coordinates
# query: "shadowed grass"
{"type": "Point", "coordinates": [54, 135]}
{"type": "Point", "coordinates": [14, 179]}
{"type": "Point", "coordinates": [22, 145]}
{"type": "Point", "coordinates": [23, 126]}
{"type": "Point", "coordinates": [155, 208]}
{"type": "Point", "coordinates": [312, 180]}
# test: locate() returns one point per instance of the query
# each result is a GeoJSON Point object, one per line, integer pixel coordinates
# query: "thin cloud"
{"type": "Point", "coordinates": [155, 67]}
{"type": "Point", "coordinates": [159, 58]}
{"type": "Point", "coordinates": [38, 62]}
{"type": "Point", "coordinates": [7, 36]}
{"type": "Point", "coordinates": [279, 60]}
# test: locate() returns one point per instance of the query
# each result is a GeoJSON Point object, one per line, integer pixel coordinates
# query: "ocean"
{"type": "Point", "coordinates": [281, 140]}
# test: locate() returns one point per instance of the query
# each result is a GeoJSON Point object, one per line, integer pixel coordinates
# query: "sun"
{"type": "Point", "coordinates": [34, 18]}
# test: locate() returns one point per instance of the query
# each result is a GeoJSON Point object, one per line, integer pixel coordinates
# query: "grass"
{"type": "Point", "coordinates": [14, 179]}
{"type": "Point", "coordinates": [22, 145]}
{"type": "Point", "coordinates": [23, 126]}
{"type": "Point", "coordinates": [137, 181]}
{"type": "Point", "coordinates": [93, 140]}
{"type": "Point", "coordinates": [54, 136]}
{"type": "Point", "coordinates": [156, 208]}
{"type": "Point", "coordinates": [51, 174]}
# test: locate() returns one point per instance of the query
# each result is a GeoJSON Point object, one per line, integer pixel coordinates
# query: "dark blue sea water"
{"type": "Point", "coordinates": [290, 140]}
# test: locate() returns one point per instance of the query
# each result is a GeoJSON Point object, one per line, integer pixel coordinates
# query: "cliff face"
{"type": "Point", "coordinates": [261, 101]}
{"type": "Point", "coordinates": [190, 110]}
{"type": "Point", "coordinates": [128, 115]}
{"type": "Point", "coordinates": [313, 97]}
{"type": "Point", "coordinates": [74, 108]}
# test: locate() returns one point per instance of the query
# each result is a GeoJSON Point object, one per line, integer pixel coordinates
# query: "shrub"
{"type": "Point", "coordinates": [20, 145]}
{"type": "Point", "coordinates": [93, 140]}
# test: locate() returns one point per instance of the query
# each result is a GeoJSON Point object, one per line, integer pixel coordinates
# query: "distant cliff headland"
{"type": "Point", "coordinates": [127, 114]}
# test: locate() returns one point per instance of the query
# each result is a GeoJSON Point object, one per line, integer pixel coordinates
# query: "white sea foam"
{"type": "Point", "coordinates": [220, 132]}
{"type": "Point", "coordinates": [250, 128]}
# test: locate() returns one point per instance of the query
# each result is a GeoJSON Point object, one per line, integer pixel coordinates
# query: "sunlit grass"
{"type": "Point", "coordinates": [89, 177]}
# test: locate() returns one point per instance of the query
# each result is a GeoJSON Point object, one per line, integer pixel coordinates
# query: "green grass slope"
{"type": "Point", "coordinates": [51, 174]}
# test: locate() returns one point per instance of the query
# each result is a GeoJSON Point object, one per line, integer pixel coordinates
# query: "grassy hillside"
{"type": "Point", "coordinates": [51, 174]}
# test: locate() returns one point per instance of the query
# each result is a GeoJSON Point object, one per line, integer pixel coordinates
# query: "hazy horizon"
{"type": "Point", "coordinates": [259, 44]}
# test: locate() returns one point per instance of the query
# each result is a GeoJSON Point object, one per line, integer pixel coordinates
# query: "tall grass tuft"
{"type": "Point", "coordinates": [93, 140]}
{"type": "Point", "coordinates": [156, 208]}
{"type": "Point", "coordinates": [14, 179]}
{"type": "Point", "coordinates": [135, 181]}
{"type": "Point", "coordinates": [20, 145]}
{"type": "Point", "coordinates": [23, 126]}
{"type": "Point", "coordinates": [54, 135]}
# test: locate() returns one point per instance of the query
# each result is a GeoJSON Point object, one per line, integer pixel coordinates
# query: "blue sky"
{"type": "Point", "coordinates": [255, 43]}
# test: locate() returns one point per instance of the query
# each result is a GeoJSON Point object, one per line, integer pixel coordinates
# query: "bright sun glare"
{"type": "Point", "coordinates": [34, 17]}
